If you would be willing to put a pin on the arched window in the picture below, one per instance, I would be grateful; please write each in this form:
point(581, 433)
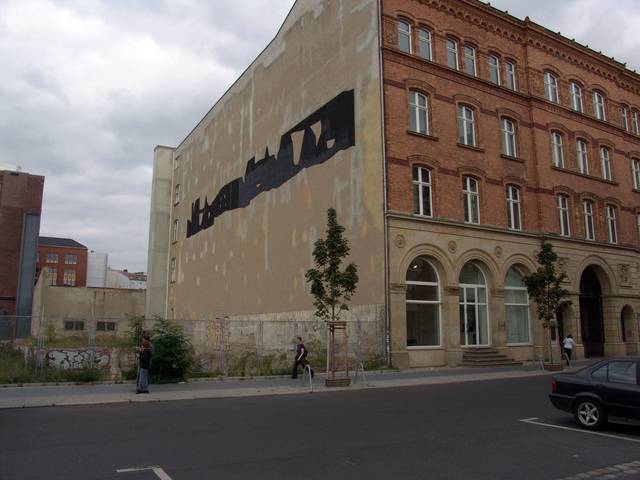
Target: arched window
point(575, 92)
point(612, 224)
point(583, 158)
point(510, 75)
point(452, 53)
point(605, 157)
point(424, 44)
point(418, 112)
point(466, 126)
point(470, 60)
point(513, 208)
point(589, 229)
point(624, 117)
point(474, 319)
point(635, 173)
point(423, 304)
point(635, 127)
point(471, 197)
point(599, 105)
point(551, 87)
point(557, 150)
point(494, 69)
point(563, 215)
point(508, 128)
point(404, 36)
point(516, 301)
point(422, 191)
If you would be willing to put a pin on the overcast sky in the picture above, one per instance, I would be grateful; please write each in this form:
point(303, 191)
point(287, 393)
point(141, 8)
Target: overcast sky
point(89, 87)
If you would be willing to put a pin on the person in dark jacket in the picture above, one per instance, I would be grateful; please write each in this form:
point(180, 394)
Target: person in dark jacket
point(300, 359)
point(144, 366)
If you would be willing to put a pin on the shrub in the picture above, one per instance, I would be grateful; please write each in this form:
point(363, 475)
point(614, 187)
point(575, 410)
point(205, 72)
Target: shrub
point(172, 353)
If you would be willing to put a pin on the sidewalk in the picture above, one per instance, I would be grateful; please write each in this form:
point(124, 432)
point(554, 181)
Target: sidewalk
point(64, 395)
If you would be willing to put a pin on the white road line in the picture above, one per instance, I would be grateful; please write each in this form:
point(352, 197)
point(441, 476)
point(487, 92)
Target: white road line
point(160, 473)
point(580, 430)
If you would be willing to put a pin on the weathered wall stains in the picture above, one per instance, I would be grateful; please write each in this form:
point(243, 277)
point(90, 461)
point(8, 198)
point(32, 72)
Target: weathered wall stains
point(328, 130)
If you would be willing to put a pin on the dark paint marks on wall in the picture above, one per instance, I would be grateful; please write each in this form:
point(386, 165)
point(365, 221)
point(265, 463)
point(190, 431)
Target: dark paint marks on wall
point(328, 130)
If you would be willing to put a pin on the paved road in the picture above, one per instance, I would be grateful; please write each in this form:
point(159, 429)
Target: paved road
point(453, 431)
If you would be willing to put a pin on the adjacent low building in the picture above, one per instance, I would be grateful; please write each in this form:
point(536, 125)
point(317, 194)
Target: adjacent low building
point(452, 139)
point(65, 259)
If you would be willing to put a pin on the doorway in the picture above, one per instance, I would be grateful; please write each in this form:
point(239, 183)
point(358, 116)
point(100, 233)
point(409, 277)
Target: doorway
point(591, 317)
point(474, 322)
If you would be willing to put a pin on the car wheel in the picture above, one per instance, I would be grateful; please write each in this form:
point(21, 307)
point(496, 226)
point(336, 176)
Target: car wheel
point(589, 414)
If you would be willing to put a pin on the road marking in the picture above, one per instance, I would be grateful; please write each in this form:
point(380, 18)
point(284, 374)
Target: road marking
point(160, 473)
point(580, 430)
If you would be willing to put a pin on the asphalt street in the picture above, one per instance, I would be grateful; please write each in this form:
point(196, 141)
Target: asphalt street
point(470, 430)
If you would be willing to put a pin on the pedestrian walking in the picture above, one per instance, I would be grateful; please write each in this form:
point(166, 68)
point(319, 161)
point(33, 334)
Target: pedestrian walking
point(567, 345)
point(300, 358)
point(144, 357)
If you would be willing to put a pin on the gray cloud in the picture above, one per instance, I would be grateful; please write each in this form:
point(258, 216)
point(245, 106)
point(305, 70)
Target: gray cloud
point(89, 87)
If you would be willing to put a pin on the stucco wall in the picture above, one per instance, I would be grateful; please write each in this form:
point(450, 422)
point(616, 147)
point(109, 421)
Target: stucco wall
point(252, 260)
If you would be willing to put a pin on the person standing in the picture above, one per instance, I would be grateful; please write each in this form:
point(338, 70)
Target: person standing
point(300, 358)
point(567, 345)
point(145, 365)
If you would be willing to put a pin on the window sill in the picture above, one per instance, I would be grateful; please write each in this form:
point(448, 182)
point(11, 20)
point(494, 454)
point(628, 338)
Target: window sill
point(590, 177)
point(520, 344)
point(423, 135)
point(471, 147)
point(421, 215)
point(424, 347)
point(513, 159)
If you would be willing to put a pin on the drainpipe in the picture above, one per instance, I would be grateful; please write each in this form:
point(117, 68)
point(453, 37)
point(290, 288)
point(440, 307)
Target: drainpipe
point(387, 323)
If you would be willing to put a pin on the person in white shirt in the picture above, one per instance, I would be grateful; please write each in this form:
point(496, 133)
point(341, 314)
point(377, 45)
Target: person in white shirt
point(567, 344)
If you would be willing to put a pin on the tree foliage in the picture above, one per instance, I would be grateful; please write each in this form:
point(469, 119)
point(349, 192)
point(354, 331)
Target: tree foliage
point(332, 287)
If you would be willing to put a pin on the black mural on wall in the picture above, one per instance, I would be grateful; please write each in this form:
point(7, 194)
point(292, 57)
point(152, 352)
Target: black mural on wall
point(337, 132)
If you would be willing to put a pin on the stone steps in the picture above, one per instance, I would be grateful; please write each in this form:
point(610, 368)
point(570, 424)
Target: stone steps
point(486, 357)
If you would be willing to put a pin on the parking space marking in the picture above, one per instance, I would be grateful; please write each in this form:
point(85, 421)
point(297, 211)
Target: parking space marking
point(160, 473)
point(534, 421)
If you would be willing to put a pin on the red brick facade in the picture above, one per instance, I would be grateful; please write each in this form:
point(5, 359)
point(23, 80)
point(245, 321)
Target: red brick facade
point(20, 194)
point(534, 52)
point(67, 259)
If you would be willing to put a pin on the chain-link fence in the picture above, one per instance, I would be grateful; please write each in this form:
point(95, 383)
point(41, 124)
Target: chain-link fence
point(226, 346)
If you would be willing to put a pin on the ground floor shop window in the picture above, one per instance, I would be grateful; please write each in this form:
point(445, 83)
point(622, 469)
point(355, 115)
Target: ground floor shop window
point(474, 318)
point(423, 304)
point(516, 301)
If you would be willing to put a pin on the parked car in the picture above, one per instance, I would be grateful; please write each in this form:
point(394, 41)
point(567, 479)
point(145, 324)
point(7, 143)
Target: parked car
point(608, 390)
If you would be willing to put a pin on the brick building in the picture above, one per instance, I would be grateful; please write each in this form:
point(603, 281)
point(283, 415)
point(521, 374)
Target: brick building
point(20, 207)
point(66, 260)
point(488, 135)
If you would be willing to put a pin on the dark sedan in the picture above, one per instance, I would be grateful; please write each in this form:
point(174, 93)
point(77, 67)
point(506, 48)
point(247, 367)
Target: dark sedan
point(608, 390)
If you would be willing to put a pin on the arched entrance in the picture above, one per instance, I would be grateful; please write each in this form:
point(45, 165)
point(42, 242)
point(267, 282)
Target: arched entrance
point(474, 319)
point(591, 318)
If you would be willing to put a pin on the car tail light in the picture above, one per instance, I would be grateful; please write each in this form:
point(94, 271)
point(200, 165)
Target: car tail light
point(554, 386)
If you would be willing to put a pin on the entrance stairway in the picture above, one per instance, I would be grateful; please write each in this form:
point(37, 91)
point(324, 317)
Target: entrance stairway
point(485, 357)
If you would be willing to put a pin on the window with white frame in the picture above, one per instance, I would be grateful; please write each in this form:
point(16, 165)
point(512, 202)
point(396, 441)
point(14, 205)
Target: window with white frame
point(513, 208)
point(471, 197)
point(423, 304)
point(635, 173)
point(510, 74)
point(638, 224)
point(69, 278)
point(470, 60)
point(404, 36)
point(634, 123)
point(589, 229)
point(422, 191)
point(611, 223)
point(557, 149)
point(176, 197)
point(418, 112)
point(624, 118)
point(52, 258)
point(494, 69)
point(563, 215)
point(466, 126)
point(583, 158)
point(605, 157)
point(599, 105)
point(452, 53)
point(52, 276)
point(176, 231)
point(551, 87)
point(173, 270)
point(70, 259)
point(424, 44)
point(508, 128)
point(516, 301)
point(575, 92)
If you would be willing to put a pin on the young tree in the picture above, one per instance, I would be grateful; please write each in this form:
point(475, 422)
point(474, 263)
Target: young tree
point(331, 286)
point(545, 287)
